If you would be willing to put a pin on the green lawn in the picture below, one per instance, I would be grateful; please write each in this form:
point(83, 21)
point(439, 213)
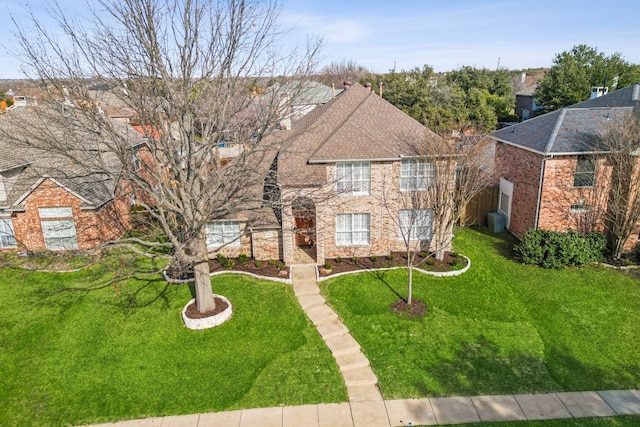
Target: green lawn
point(502, 327)
point(120, 351)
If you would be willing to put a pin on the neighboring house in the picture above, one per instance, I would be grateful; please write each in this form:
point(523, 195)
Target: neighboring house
point(341, 172)
point(300, 98)
point(526, 106)
point(524, 88)
point(48, 202)
point(552, 169)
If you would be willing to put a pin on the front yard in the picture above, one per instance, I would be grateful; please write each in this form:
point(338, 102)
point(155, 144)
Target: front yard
point(80, 348)
point(502, 327)
point(90, 346)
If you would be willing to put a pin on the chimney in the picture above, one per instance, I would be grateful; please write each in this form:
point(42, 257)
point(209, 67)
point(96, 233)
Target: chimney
point(598, 91)
point(346, 84)
point(367, 85)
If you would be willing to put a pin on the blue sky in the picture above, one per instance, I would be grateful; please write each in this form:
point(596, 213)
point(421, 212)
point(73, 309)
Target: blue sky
point(450, 33)
point(445, 34)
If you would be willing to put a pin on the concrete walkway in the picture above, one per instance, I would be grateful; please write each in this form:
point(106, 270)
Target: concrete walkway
point(366, 408)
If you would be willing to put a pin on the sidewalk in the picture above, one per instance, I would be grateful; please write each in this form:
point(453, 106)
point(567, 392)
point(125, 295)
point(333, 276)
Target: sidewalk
point(366, 408)
point(414, 412)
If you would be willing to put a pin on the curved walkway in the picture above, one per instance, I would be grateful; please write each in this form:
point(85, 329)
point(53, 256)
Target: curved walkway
point(366, 408)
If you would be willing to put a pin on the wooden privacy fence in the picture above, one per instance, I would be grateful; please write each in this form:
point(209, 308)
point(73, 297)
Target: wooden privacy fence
point(475, 213)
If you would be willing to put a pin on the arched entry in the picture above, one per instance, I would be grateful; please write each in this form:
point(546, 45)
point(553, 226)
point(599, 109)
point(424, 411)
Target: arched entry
point(304, 230)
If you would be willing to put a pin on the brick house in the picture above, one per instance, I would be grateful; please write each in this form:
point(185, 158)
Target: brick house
point(47, 202)
point(340, 173)
point(552, 172)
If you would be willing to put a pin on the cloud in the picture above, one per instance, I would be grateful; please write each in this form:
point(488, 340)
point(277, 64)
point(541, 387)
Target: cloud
point(342, 30)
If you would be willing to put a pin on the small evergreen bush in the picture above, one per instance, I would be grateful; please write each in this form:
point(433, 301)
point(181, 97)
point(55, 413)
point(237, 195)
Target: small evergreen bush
point(554, 249)
point(338, 260)
point(243, 258)
point(327, 264)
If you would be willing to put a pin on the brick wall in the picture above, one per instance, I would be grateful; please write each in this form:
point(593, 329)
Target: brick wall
point(382, 204)
point(522, 169)
point(92, 227)
point(266, 244)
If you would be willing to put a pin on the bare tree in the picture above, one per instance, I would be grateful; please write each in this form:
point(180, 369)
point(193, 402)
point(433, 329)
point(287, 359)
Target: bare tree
point(410, 211)
point(460, 172)
point(187, 71)
point(437, 182)
point(621, 144)
point(338, 71)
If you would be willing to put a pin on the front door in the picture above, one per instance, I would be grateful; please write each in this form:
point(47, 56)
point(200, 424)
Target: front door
point(304, 225)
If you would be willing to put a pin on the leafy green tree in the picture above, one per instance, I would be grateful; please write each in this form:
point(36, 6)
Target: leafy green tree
point(425, 96)
point(489, 95)
point(574, 72)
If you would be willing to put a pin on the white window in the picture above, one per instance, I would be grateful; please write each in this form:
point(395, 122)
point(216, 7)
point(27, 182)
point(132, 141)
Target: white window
point(135, 162)
point(352, 229)
point(416, 224)
point(7, 238)
point(506, 194)
point(223, 233)
point(58, 228)
point(353, 178)
point(582, 208)
point(416, 174)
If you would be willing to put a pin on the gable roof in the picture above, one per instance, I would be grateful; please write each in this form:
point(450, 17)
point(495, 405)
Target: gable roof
point(571, 130)
point(357, 125)
point(23, 167)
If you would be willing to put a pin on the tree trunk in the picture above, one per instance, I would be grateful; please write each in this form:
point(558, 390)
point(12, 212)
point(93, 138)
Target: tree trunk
point(202, 281)
point(410, 291)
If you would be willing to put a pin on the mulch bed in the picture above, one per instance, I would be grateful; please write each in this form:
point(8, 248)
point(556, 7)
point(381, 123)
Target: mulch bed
point(192, 312)
point(397, 259)
point(249, 266)
point(416, 310)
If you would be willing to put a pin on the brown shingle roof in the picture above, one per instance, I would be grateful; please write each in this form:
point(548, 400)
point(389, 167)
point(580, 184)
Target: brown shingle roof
point(356, 125)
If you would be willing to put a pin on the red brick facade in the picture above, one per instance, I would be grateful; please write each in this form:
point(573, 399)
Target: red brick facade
point(522, 169)
point(557, 194)
point(93, 227)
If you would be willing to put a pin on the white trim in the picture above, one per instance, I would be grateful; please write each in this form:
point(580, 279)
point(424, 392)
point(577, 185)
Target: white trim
point(506, 187)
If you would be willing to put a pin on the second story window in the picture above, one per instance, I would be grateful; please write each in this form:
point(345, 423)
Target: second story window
point(353, 178)
point(585, 172)
point(416, 174)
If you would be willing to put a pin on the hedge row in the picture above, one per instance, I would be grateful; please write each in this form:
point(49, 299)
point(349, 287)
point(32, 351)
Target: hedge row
point(554, 249)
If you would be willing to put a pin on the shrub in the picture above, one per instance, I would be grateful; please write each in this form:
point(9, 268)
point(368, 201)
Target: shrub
point(374, 259)
point(220, 258)
point(258, 263)
point(272, 262)
point(391, 256)
point(280, 265)
point(354, 259)
point(553, 249)
point(327, 264)
point(338, 260)
point(243, 258)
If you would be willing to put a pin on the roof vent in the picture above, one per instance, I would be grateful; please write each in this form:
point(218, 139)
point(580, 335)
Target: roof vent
point(346, 84)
